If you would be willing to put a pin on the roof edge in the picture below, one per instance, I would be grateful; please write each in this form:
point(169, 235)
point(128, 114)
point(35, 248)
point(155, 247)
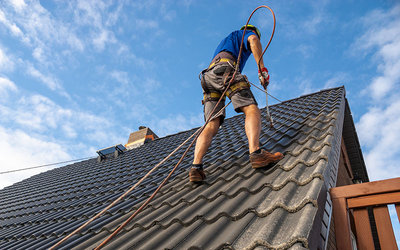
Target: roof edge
point(353, 147)
point(314, 93)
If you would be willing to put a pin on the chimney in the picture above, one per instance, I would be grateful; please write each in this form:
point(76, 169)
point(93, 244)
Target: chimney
point(140, 137)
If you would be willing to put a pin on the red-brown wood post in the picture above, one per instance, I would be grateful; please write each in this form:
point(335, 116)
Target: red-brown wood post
point(363, 229)
point(342, 223)
point(384, 228)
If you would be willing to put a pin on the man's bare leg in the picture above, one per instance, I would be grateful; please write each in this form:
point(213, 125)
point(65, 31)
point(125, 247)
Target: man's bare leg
point(203, 142)
point(252, 126)
point(261, 158)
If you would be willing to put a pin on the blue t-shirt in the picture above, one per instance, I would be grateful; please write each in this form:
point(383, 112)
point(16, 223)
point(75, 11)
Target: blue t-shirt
point(231, 43)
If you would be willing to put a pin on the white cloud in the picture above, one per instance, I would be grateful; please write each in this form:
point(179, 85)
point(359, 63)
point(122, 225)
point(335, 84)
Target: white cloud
point(39, 114)
point(89, 12)
point(311, 25)
point(379, 127)
point(305, 86)
point(69, 131)
point(380, 87)
point(50, 81)
point(306, 50)
point(150, 85)
point(380, 132)
point(18, 5)
point(120, 76)
point(114, 16)
point(34, 130)
point(176, 123)
point(19, 149)
point(96, 15)
point(6, 64)
point(337, 80)
point(15, 30)
point(318, 17)
point(36, 27)
point(187, 3)
point(38, 54)
point(383, 40)
point(5, 86)
point(167, 14)
point(146, 24)
point(103, 37)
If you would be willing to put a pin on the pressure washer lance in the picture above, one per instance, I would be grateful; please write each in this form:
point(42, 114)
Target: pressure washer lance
point(269, 117)
point(271, 121)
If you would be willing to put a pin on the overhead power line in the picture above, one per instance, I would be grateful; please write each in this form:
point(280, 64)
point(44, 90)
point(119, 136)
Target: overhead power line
point(46, 165)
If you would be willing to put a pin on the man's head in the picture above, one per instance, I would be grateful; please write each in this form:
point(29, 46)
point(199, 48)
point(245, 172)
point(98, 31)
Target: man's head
point(253, 28)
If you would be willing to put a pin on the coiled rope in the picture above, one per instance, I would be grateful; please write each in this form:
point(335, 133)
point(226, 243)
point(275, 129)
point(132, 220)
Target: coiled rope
point(195, 135)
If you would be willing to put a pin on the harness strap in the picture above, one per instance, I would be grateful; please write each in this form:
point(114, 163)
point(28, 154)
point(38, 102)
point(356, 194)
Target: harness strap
point(223, 56)
point(234, 88)
point(221, 60)
point(212, 96)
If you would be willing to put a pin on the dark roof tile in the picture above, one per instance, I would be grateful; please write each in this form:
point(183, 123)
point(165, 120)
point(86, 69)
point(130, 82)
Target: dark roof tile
point(237, 207)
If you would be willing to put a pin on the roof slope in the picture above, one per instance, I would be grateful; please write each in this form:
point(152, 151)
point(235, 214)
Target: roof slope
point(238, 207)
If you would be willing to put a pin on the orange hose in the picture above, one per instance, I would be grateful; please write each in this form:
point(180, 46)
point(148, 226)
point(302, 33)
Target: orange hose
point(196, 134)
point(187, 150)
point(270, 39)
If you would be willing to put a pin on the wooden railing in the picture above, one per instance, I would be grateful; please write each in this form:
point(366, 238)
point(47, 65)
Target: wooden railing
point(354, 200)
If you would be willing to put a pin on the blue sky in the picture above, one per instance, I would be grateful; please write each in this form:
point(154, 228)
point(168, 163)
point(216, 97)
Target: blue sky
point(77, 76)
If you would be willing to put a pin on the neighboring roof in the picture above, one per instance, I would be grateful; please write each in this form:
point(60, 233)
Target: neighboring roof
point(238, 207)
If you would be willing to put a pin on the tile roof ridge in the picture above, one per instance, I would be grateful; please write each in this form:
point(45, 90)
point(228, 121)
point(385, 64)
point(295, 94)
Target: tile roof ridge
point(311, 94)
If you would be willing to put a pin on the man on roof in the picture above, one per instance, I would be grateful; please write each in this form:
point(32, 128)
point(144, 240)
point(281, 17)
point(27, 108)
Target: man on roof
point(214, 80)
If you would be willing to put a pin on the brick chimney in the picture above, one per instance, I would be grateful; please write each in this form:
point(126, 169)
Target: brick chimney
point(140, 137)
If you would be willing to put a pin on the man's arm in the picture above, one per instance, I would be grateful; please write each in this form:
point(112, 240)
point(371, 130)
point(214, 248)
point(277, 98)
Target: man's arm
point(256, 49)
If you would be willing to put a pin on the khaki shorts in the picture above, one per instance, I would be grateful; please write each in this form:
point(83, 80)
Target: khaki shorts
point(213, 81)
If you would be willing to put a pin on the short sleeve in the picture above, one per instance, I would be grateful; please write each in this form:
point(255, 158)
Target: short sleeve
point(246, 37)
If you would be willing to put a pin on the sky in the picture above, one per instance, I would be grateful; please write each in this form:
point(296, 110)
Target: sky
point(77, 76)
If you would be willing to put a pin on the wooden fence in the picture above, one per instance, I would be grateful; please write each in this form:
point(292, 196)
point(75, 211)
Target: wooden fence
point(350, 205)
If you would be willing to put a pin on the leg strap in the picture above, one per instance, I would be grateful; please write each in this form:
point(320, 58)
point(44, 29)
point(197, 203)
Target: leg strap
point(236, 87)
point(212, 96)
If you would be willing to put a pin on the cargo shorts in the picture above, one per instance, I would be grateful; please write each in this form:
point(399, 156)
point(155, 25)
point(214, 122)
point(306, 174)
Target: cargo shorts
point(213, 81)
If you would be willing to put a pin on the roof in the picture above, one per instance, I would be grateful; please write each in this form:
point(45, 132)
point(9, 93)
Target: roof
point(238, 207)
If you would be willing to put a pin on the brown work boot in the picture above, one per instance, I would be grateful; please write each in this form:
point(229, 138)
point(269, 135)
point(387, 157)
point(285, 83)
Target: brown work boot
point(262, 159)
point(196, 175)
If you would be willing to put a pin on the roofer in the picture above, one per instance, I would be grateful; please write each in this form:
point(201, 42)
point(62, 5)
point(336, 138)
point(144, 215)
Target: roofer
point(214, 81)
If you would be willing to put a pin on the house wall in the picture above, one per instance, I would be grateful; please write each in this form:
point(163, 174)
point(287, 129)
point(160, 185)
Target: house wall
point(344, 177)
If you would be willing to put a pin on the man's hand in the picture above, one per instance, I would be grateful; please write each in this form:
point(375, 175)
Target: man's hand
point(264, 77)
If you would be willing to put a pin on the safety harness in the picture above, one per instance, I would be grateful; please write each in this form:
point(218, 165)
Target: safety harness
point(210, 95)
